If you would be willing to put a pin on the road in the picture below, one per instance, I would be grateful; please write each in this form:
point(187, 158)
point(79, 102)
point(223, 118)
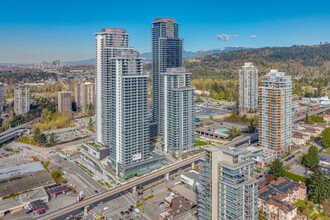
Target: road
point(300, 118)
point(125, 186)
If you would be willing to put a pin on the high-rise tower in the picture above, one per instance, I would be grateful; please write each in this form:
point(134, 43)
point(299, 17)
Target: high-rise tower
point(228, 189)
point(178, 102)
point(275, 111)
point(107, 43)
point(166, 53)
point(248, 88)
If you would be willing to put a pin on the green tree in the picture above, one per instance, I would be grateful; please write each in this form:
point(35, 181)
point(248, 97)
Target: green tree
point(276, 168)
point(307, 119)
point(51, 140)
point(319, 187)
point(312, 158)
point(318, 119)
point(288, 166)
point(326, 137)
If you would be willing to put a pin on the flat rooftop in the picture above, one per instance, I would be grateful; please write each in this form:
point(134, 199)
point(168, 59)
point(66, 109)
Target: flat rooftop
point(24, 177)
point(20, 170)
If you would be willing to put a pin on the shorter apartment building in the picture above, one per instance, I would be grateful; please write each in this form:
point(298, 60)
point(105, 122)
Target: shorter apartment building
point(21, 100)
point(84, 94)
point(277, 199)
point(64, 102)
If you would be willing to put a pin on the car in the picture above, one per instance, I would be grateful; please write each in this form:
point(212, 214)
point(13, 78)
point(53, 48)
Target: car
point(29, 211)
point(127, 212)
point(130, 210)
point(105, 208)
point(132, 207)
point(162, 204)
point(100, 204)
point(96, 191)
point(122, 213)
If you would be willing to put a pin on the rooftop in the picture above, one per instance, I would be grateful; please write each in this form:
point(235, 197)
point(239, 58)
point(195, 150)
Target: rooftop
point(20, 170)
point(192, 175)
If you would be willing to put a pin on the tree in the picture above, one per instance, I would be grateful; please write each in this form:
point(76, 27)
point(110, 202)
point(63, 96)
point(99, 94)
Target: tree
point(90, 124)
point(307, 119)
point(276, 168)
point(319, 187)
point(51, 140)
point(326, 137)
point(42, 138)
point(312, 158)
point(318, 119)
point(288, 166)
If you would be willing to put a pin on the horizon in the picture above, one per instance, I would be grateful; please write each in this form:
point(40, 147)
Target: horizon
point(65, 30)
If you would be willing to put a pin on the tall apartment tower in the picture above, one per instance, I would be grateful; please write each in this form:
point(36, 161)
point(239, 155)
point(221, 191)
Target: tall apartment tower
point(1, 97)
point(228, 189)
point(166, 53)
point(84, 94)
point(275, 111)
point(247, 88)
point(21, 100)
point(179, 111)
point(107, 43)
point(64, 102)
point(129, 128)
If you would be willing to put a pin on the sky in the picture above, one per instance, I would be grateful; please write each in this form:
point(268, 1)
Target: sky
point(33, 31)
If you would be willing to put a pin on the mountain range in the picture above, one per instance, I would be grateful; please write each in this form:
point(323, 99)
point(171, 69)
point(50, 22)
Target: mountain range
point(148, 55)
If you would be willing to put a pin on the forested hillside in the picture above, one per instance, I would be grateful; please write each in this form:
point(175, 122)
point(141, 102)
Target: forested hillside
point(304, 61)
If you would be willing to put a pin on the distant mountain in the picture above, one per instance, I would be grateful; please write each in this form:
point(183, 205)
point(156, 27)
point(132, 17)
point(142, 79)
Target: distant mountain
point(89, 61)
point(186, 54)
point(148, 55)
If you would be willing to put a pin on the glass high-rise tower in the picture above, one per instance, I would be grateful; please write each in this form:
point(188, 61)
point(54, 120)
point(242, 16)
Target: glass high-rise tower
point(107, 43)
point(228, 188)
point(247, 88)
point(166, 53)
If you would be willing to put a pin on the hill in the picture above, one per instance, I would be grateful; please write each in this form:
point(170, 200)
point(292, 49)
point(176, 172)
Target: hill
point(186, 54)
point(306, 61)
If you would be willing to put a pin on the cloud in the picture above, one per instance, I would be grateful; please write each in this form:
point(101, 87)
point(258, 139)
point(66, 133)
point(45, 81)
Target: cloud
point(253, 36)
point(226, 37)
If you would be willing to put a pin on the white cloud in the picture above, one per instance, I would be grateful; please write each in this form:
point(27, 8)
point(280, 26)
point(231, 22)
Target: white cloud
point(253, 36)
point(226, 37)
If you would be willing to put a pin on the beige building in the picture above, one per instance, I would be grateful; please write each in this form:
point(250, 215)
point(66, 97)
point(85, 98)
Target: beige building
point(84, 94)
point(21, 100)
point(278, 198)
point(64, 102)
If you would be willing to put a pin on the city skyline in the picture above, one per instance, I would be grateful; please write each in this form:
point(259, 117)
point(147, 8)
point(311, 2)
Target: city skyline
point(38, 32)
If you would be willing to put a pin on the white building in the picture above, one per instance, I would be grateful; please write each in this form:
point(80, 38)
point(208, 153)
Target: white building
point(247, 88)
point(107, 43)
point(275, 111)
point(21, 100)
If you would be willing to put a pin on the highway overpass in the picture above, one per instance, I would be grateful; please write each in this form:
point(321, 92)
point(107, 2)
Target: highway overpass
point(61, 214)
point(301, 118)
point(12, 133)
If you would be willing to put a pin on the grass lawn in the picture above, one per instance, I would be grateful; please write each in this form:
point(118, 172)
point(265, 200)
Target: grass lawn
point(200, 143)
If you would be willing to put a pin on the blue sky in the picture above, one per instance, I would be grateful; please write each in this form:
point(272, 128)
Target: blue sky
point(33, 31)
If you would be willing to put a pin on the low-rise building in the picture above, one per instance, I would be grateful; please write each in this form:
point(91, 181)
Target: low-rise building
point(178, 206)
point(326, 118)
point(191, 178)
point(277, 199)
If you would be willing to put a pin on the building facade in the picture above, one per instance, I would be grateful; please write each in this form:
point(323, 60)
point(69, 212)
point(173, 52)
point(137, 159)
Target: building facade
point(275, 111)
point(64, 102)
point(166, 53)
point(228, 189)
point(247, 88)
point(21, 100)
point(178, 105)
point(1, 97)
point(107, 43)
point(84, 95)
